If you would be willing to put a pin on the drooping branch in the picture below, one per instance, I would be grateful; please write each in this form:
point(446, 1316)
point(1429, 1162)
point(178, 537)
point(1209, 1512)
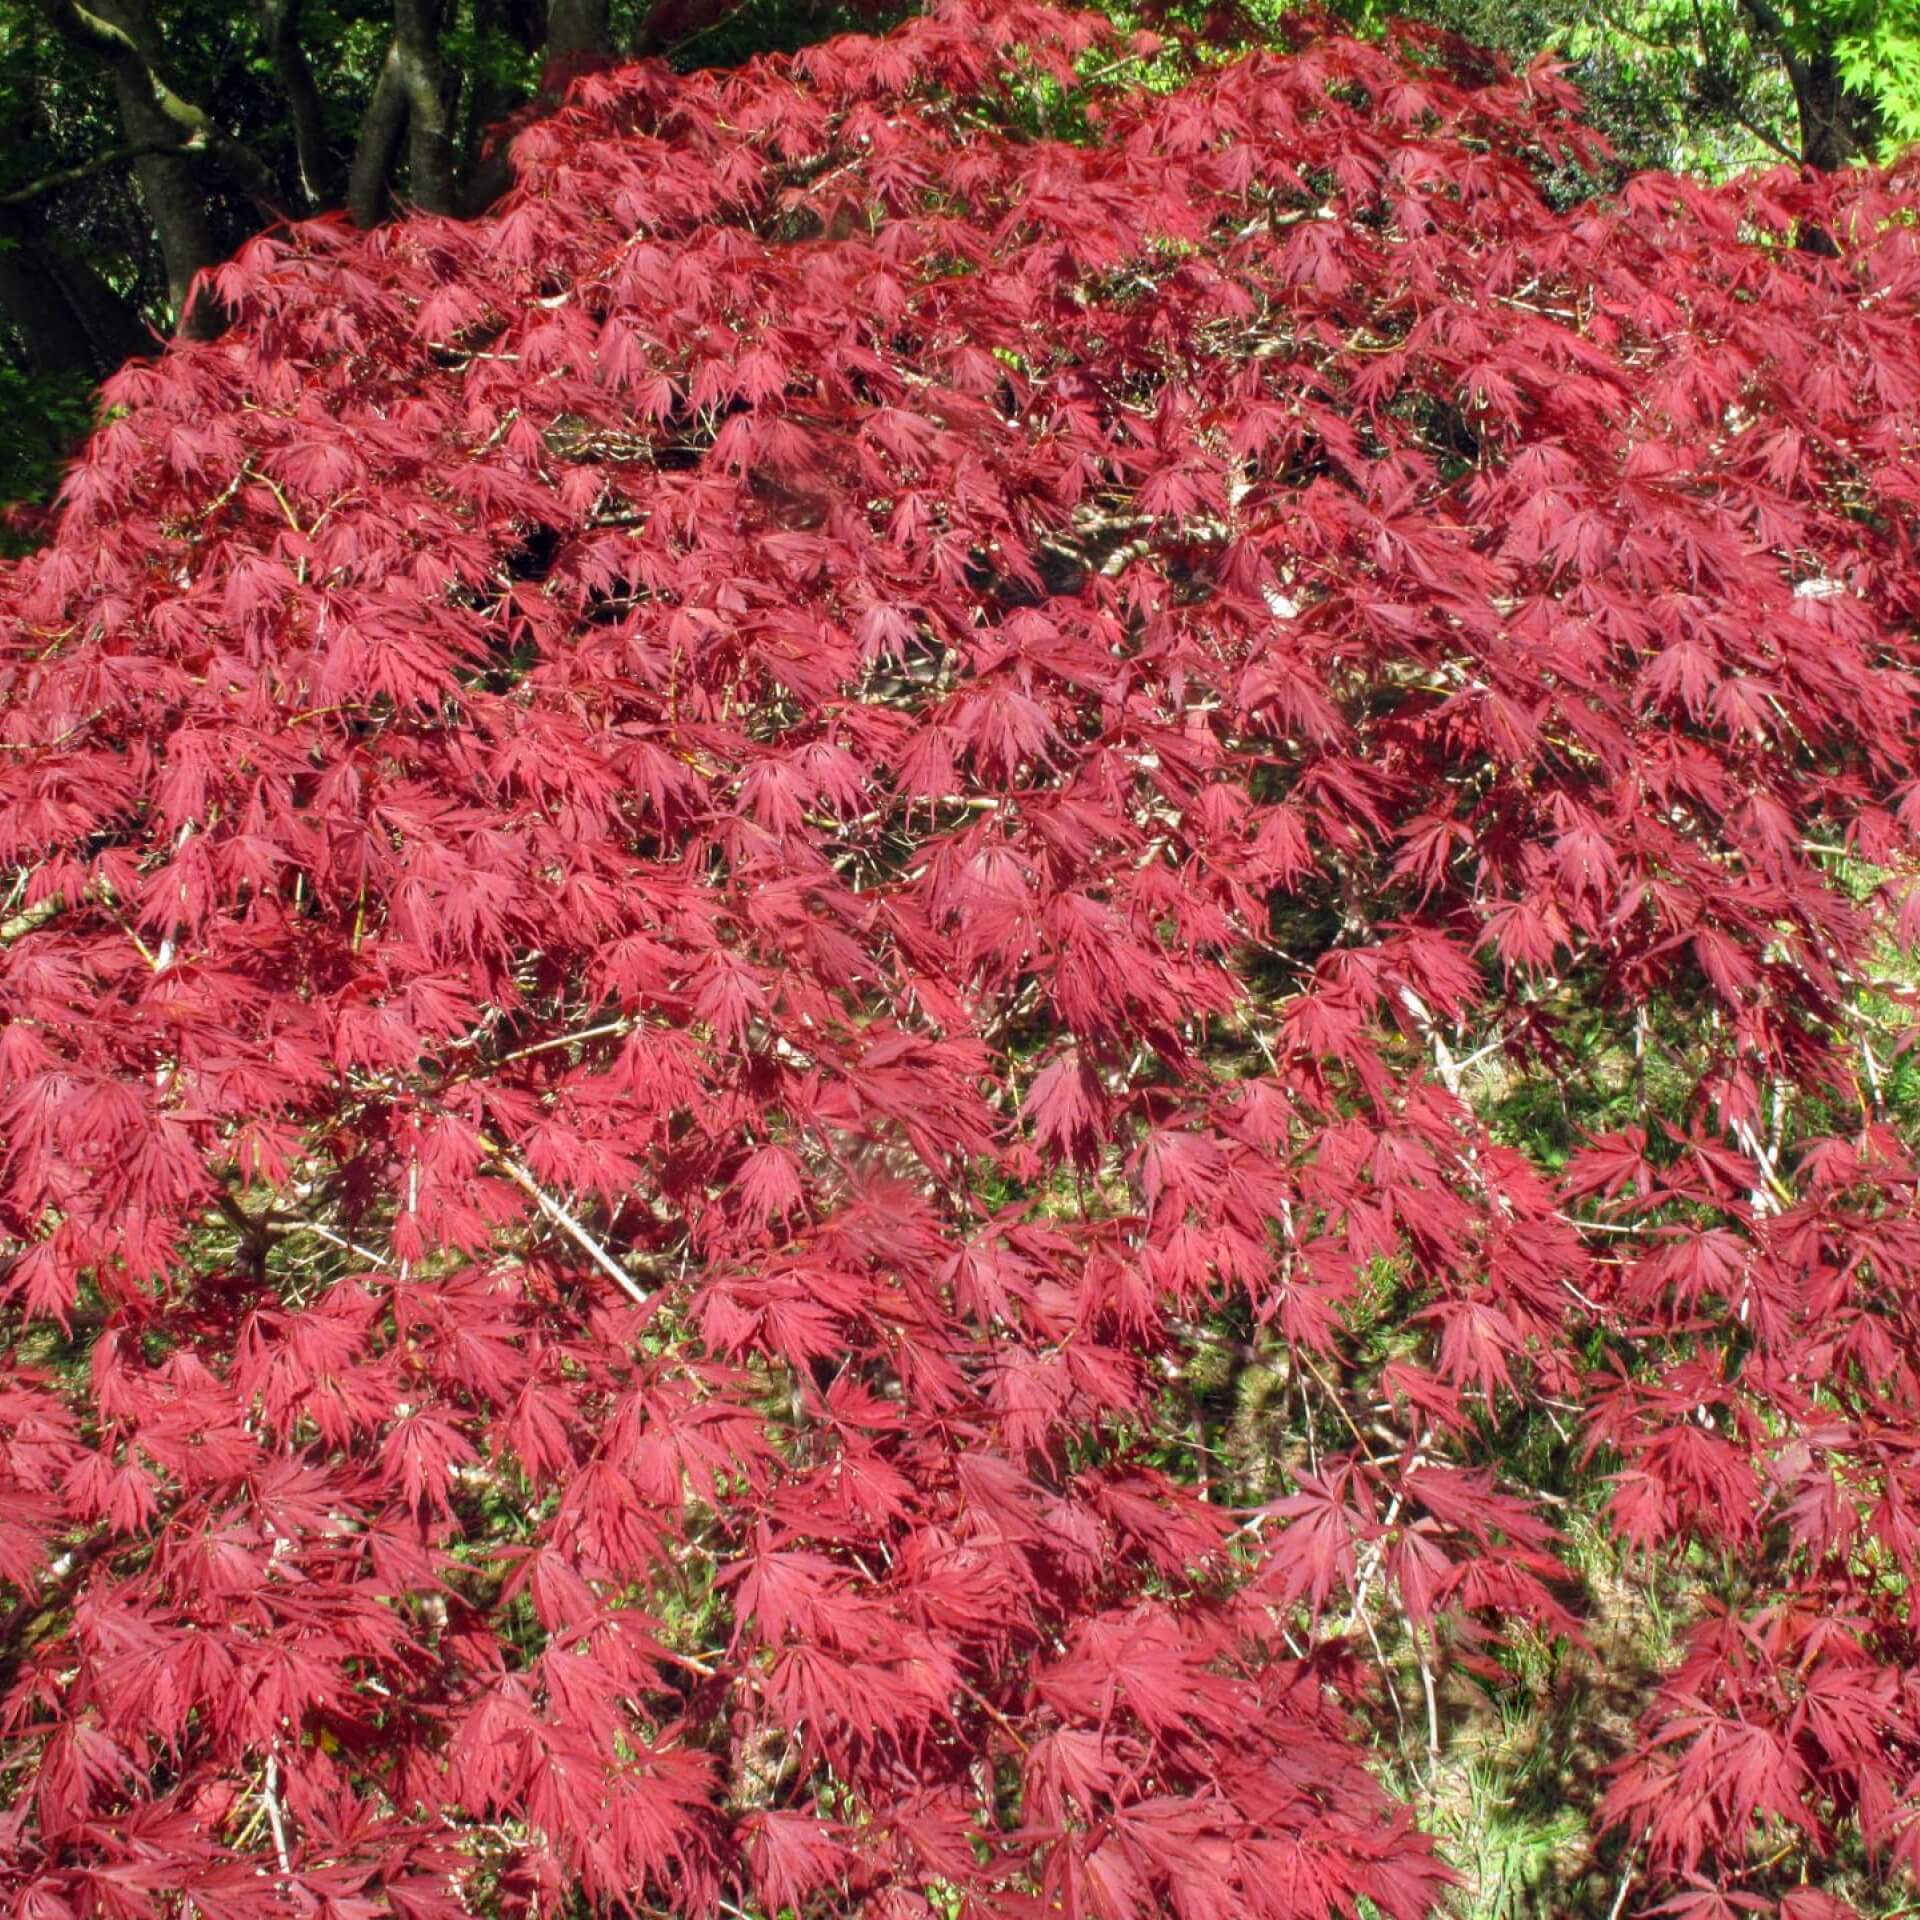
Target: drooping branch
point(86, 169)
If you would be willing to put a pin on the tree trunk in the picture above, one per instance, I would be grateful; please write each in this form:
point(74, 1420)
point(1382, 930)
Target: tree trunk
point(412, 98)
point(430, 157)
point(577, 26)
point(379, 144)
point(174, 201)
point(1836, 126)
point(280, 35)
point(165, 129)
point(178, 210)
point(69, 321)
point(487, 100)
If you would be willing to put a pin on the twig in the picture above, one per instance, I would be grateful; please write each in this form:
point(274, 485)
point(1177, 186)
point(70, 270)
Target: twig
point(1773, 1192)
point(993, 1713)
point(1377, 1553)
point(270, 1799)
point(572, 1228)
point(1433, 1707)
point(1626, 1881)
point(567, 1040)
point(339, 1240)
point(1338, 1405)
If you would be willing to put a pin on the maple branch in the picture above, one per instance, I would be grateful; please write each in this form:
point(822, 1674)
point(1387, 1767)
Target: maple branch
point(25, 922)
point(601, 1032)
point(1378, 1549)
point(1620, 1892)
point(99, 163)
point(1773, 1193)
point(1444, 1063)
point(270, 1799)
point(64, 1574)
point(255, 1235)
point(1870, 1062)
point(565, 1221)
point(1433, 1705)
point(993, 1713)
point(339, 1240)
point(257, 1231)
point(1765, 136)
point(1339, 1405)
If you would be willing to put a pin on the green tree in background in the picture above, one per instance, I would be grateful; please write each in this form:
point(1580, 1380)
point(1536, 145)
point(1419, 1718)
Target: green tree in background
point(1714, 85)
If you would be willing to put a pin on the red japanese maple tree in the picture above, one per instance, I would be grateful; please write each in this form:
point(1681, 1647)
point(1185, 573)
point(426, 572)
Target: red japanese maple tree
point(705, 876)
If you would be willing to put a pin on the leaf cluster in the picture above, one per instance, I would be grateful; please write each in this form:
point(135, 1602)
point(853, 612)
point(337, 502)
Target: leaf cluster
point(787, 947)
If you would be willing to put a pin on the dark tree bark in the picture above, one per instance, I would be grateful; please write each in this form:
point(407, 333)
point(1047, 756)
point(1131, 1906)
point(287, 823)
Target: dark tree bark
point(422, 135)
point(577, 26)
point(378, 147)
point(178, 209)
point(69, 321)
point(431, 172)
point(485, 102)
point(114, 330)
point(71, 176)
point(166, 130)
point(668, 22)
point(37, 306)
point(1836, 126)
point(280, 36)
point(412, 98)
point(121, 34)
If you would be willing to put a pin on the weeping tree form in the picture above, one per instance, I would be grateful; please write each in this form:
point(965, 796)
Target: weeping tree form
point(709, 877)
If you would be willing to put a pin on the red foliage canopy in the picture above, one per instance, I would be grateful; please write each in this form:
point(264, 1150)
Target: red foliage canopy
point(702, 871)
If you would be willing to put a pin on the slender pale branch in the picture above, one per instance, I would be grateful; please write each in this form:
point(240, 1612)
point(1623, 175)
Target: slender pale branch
point(572, 1228)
